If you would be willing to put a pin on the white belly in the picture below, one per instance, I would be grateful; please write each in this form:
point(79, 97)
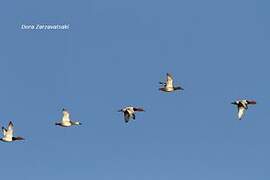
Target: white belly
point(66, 124)
point(7, 139)
point(169, 89)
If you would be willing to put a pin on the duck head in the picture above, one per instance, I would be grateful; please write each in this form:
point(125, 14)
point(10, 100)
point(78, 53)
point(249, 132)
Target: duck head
point(17, 138)
point(57, 124)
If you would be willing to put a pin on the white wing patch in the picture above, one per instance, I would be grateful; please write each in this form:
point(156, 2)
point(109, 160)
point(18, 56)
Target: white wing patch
point(169, 83)
point(241, 112)
point(130, 111)
point(65, 116)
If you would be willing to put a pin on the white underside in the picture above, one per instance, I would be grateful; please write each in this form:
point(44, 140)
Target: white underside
point(241, 112)
point(7, 139)
point(168, 89)
point(66, 123)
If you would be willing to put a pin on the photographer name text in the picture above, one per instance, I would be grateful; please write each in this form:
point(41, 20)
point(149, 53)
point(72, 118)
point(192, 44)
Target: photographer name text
point(45, 26)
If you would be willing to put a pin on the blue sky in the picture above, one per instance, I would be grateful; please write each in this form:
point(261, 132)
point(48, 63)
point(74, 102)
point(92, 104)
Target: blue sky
point(113, 55)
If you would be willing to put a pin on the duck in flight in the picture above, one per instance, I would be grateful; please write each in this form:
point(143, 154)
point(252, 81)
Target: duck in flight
point(168, 85)
point(66, 122)
point(242, 106)
point(129, 112)
point(8, 134)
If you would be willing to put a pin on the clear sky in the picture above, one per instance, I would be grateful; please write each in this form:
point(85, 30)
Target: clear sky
point(113, 55)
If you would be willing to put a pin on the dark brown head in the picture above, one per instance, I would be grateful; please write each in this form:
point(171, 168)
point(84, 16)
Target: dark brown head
point(251, 102)
point(17, 138)
point(57, 124)
point(235, 103)
point(120, 110)
point(138, 109)
point(178, 88)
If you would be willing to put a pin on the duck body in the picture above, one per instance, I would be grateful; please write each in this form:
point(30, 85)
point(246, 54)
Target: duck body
point(5, 139)
point(68, 124)
point(170, 89)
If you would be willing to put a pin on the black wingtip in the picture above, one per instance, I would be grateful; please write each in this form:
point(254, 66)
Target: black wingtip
point(10, 123)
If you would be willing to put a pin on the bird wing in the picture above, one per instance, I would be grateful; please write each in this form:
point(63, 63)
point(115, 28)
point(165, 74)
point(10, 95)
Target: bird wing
point(169, 82)
point(65, 117)
point(9, 130)
point(241, 112)
point(126, 116)
point(4, 131)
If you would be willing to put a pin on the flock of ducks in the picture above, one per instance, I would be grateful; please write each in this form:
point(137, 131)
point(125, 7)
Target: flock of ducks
point(129, 112)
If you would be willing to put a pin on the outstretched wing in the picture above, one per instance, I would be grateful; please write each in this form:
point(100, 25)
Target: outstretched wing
point(9, 130)
point(169, 83)
point(65, 117)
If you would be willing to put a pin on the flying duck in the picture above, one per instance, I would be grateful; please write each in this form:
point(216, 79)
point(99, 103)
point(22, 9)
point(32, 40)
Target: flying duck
point(129, 112)
point(242, 106)
point(8, 134)
point(168, 86)
point(66, 122)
